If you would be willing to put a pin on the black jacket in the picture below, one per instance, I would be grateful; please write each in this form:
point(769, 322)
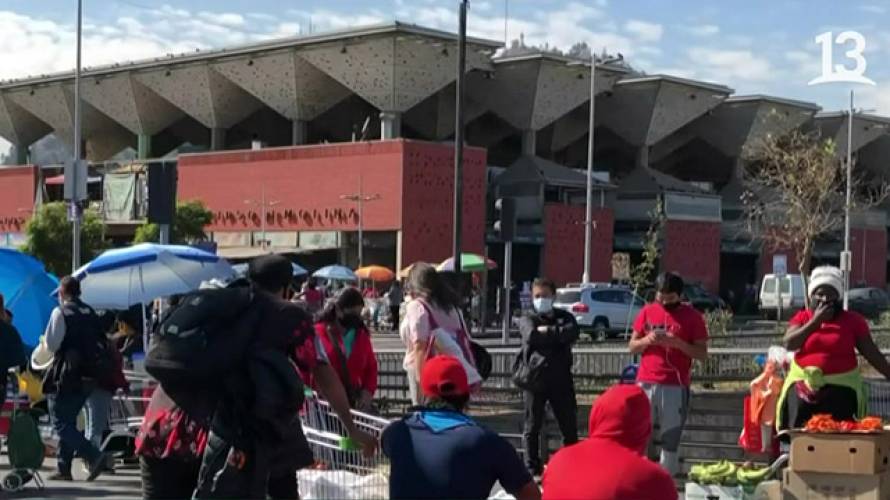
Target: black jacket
point(556, 344)
point(83, 354)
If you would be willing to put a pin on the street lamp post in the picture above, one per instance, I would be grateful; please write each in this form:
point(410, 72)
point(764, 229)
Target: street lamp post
point(459, 136)
point(76, 215)
point(846, 260)
point(588, 218)
point(263, 204)
point(360, 199)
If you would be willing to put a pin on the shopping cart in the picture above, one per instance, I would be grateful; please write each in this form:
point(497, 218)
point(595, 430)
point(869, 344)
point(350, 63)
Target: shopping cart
point(341, 470)
point(878, 391)
point(126, 414)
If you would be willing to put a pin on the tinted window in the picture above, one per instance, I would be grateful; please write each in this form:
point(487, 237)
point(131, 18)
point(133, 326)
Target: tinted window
point(601, 296)
point(769, 285)
point(568, 297)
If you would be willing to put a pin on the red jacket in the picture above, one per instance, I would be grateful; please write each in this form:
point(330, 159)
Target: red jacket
point(610, 464)
point(362, 362)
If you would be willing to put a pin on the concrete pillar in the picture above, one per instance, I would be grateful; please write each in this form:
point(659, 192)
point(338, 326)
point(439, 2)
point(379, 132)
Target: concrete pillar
point(217, 138)
point(390, 125)
point(21, 155)
point(299, 129)
point(529, 142)
point(143, 148)
point(643, 156)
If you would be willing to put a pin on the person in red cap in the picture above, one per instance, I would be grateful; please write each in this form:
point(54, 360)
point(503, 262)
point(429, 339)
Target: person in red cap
point(437, 451)
point(610, 464)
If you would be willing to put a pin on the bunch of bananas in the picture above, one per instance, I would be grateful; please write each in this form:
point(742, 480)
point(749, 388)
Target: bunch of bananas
point(749, 478)
point(723, 472)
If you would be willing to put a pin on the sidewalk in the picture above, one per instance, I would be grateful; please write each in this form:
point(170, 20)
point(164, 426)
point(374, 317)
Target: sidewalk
point(125, 483)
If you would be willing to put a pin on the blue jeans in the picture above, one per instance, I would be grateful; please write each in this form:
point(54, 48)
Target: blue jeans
point(97, 413)
point(63, 409)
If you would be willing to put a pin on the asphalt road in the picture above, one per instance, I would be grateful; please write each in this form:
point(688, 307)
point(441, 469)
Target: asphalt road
point(125, 483)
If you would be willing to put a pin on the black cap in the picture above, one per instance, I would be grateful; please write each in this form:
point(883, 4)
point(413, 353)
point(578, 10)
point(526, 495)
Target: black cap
point(271, 272)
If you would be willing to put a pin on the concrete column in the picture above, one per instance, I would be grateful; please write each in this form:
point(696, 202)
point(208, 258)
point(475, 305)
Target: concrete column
point(643, 156)
point(390, 125)
point(143, 148)
point(299, 129)
point(21, 155)
point(529, 142)
point(217, 138)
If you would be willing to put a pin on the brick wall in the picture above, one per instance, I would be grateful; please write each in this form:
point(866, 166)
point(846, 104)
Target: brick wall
point(17, 199)
point(869, 247)
point(564, 243)
point(692, 249)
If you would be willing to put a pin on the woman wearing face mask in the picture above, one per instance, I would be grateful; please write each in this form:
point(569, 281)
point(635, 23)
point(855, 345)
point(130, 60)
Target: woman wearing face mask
point(347, 343)
point(824, 377)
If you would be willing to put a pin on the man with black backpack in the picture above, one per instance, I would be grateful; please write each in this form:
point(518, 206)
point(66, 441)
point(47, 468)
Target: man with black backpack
point(81, 361)
point(547, 336)
point(256, 444)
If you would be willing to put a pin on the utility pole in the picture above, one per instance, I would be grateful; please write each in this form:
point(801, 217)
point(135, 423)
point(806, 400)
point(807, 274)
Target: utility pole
point(459, 137)
point(360, 199)
point(76, 213)
point(846, 260)
point(263, 205)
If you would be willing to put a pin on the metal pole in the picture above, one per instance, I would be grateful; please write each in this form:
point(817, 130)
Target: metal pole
point(506, 20)
point(508, 257)
point(165, 234)
point(75, 227)
point(263, 215)
point(848, 263)
point(588, 219)
point(361, 214)
point(459, 136)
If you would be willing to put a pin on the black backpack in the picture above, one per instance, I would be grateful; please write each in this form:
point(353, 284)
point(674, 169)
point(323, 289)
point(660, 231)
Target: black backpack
point(203, 338)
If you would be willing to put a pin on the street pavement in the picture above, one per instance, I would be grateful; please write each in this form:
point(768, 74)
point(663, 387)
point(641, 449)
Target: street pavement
point(125, 483)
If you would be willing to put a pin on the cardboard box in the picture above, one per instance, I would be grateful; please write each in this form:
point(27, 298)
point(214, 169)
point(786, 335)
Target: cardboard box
point(840, 453)
point(822, 486)
point(696, 491)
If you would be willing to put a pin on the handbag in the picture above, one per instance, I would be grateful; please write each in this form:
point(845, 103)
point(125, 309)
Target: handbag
point(528, 370)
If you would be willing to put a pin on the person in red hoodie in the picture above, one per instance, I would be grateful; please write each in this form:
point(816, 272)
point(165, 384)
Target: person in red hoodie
point(347, 342)
point(610, 464)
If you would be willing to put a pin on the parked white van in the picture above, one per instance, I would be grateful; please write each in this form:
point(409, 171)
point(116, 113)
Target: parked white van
point(792, 289)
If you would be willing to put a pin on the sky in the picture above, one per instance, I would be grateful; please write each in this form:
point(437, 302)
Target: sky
point(752, 46)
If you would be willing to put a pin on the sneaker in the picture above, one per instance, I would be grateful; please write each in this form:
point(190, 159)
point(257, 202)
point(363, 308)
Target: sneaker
point(61, 476)
point(98, 466)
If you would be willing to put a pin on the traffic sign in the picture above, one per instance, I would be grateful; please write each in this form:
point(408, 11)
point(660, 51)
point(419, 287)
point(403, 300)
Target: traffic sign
point(780, 265)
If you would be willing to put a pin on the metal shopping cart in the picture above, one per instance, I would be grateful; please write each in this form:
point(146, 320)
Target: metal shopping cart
point(878, 391)
point(341, 470)
point(127, 413)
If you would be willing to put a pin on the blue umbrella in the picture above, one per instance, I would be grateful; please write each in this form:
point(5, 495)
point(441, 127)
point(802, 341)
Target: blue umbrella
point(28, 293)
point(241, 269)
point(124, 277)
point(339, 273)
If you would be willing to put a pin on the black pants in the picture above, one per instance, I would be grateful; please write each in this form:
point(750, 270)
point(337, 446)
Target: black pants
point(261, 474)
point(394, 317)
point(560, 393)
point(838, 401)
point(166, 479)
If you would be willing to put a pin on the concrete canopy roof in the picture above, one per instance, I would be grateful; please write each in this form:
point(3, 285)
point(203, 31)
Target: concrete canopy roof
point(18, 125)
point(393, 66)
point(739, 121)
point(645, 110)
point(647, 180)
point(532, 91)
point(866, 128)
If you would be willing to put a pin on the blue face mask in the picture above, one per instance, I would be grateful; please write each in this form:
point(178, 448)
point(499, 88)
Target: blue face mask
point(543, 305)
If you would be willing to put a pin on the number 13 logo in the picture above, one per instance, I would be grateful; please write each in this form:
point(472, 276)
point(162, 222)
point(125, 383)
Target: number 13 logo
point(839, 73)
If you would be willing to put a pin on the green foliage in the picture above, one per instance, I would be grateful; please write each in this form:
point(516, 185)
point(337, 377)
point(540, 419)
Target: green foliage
point(188, 225)
point(48, 236)
point(642, 275)
point(718, 322)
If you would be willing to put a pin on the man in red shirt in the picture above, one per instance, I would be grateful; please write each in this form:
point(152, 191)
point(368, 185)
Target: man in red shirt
point(609, 464)
point(669, 334)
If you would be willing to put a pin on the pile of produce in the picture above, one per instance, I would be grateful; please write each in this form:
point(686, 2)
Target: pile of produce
point(824, 423)
point(727, 473)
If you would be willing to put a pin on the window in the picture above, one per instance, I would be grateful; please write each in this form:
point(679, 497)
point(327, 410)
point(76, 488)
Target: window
point(568, 297)
point(601, 297)
point(769, 285)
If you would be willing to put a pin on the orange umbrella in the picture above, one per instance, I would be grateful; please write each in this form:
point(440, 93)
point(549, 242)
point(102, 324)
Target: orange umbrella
point(375, 273)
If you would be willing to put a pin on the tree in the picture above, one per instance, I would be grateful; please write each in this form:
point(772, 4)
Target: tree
point(48, 236)
point(642, 275)
point(794, 192)
point(188, 225)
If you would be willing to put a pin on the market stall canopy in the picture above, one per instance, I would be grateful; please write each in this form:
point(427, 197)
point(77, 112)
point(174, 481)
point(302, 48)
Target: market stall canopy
point(27, 291)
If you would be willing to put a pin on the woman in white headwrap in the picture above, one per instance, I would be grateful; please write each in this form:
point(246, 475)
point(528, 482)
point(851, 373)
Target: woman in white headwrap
point(824, 377)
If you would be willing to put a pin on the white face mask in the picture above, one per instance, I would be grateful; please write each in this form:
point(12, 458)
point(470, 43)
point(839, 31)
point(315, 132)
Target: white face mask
point(543, 304)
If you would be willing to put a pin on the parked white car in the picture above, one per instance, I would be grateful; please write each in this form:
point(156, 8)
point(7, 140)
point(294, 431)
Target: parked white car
point(601, 309)
point(791, 287)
